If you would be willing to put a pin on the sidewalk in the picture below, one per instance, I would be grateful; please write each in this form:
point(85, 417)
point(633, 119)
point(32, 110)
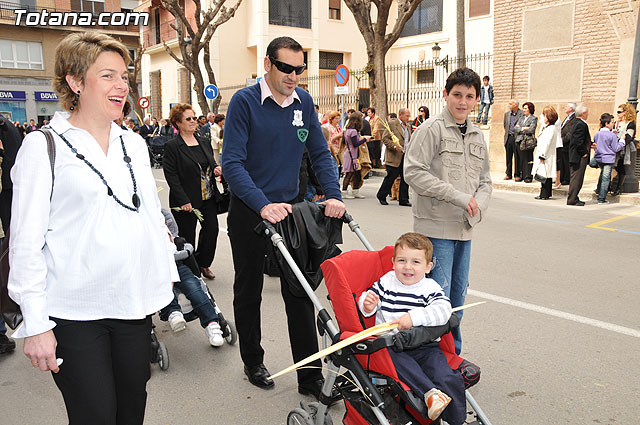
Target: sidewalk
point(586, 193)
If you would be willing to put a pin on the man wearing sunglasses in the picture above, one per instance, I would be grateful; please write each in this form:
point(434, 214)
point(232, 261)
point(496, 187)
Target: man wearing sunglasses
point(268, 127)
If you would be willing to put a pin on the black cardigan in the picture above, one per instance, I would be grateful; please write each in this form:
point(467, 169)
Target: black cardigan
point(183, 173)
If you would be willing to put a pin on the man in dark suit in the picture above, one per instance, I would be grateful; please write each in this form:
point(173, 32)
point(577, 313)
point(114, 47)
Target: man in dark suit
point(394, 157)
point(146, 130)
point(11, 142)
point(562, 154)
point(579, 148)
point(32, 126)
point(511, 117)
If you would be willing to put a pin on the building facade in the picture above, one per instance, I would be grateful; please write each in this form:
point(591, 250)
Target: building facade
point(329, 35)
point(553, 52)
point(28, 45)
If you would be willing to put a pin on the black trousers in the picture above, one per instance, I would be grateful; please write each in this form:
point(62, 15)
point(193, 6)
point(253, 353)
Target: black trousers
point(249, 250)
point(387, 183)
point(5, 208)
point(208, 236)
point(513, 157)
point(577, 178)
point(545, 190)
point(562, 163)
point(375, 150)
point(106, 368)
point(526, 160)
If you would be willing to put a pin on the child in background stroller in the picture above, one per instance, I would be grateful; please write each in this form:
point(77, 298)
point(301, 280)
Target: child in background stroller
point(406, 297)
point(156, 144)
point(216, 327)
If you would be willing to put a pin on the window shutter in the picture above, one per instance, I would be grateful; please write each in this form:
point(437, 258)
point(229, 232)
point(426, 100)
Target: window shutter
point(334, 4)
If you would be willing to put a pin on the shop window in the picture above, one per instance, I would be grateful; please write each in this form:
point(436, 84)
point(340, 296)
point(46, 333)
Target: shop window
point(330, 60)
point(21, 54)
point(426, 18)
point(334, 9)
point(479, 8)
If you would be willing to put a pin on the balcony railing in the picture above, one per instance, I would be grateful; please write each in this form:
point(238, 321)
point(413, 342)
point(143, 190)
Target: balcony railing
point(163, 32)
point(7, 12)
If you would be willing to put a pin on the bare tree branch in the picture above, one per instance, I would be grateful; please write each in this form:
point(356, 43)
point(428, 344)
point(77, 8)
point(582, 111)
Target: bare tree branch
point(199, 31)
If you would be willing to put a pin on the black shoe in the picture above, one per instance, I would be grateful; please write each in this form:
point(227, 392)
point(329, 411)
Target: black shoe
point(382, 201)
point(616, 192)
point(541, 197)
point(315, 388)
point(404, 204)
point(578, 204)
point(259, 376)
point(6, 344)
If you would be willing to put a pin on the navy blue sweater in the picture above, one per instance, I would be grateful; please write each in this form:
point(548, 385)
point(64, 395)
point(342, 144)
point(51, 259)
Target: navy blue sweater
point(263, 146)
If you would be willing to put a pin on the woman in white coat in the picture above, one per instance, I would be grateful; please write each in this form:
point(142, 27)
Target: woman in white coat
point(545, 160)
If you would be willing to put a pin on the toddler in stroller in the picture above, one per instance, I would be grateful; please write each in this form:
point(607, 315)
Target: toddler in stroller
point(406, 297)
point(191, 286)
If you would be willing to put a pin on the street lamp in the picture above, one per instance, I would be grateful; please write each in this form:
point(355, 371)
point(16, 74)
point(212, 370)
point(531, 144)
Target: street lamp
point(435, 51)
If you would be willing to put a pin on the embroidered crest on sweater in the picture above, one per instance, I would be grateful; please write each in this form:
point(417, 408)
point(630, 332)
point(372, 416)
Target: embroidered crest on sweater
point(297, 118)
point(302, 134)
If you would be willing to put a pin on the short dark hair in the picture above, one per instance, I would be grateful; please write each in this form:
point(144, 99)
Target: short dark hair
point(355, 121)
point(218, 118)
point(465, 77)
point(486, 77)
point(371, 109)
point(350, 111)
point(282, 43)
point(126, 108)
point(531, 106)
point(605, 119)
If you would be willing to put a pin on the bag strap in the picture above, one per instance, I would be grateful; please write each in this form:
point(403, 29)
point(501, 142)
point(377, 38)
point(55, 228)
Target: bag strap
point(51, 151)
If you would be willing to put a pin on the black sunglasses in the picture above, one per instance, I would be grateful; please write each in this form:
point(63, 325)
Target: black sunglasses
point(620, 112)
point(286, 68)
point(190, 118)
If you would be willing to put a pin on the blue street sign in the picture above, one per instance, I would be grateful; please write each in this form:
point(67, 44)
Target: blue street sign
point(8, 95)
point(211, 92)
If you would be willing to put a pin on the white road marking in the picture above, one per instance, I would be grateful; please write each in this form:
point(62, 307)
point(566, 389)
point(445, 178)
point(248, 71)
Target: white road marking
point(557, 313)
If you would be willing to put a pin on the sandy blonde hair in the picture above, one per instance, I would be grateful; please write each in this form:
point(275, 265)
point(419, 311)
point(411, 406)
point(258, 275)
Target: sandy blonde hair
point(75, 54)
point(418, 241)
point(629, 112)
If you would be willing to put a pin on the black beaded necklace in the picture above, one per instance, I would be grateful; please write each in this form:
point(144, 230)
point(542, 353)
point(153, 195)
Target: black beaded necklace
point(135, 199)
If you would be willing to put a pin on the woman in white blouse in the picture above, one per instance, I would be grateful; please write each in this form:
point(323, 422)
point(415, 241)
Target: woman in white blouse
point(90, 261)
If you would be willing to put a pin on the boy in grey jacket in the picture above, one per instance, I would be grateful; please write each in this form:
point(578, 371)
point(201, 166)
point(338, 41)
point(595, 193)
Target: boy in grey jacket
point(447, 166)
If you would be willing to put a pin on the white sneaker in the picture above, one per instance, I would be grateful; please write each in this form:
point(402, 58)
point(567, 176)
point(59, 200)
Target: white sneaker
point(346, 195)
point(356, 194)
point(214, 333)
point(436, 401)
point(177, 322)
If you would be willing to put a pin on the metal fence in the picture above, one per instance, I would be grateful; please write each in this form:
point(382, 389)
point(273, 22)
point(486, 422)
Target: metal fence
point(409, 85)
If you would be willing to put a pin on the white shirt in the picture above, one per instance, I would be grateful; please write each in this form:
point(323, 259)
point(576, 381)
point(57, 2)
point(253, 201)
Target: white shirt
point(82, 256)
point(486, 94)
point(265, 92)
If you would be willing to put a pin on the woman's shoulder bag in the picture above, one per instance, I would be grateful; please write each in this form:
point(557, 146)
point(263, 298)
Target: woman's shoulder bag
point(10, 310)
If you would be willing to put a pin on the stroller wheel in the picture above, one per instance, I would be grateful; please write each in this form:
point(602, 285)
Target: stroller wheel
point(232, 334)
point(299, 417)
point(312, 411)
point(163, 356)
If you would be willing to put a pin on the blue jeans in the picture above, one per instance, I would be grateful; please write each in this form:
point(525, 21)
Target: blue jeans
point(604, 181)
point(190, 286)
point(451, 271)
point(485, 107)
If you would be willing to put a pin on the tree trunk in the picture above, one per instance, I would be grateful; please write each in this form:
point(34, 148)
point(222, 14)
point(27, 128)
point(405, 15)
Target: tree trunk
point(212, 78)
point(460, 34)
point(198, 87)
point(378, 84)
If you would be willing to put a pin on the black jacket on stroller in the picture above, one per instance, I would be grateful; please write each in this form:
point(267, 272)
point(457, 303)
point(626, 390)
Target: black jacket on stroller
point(311, 238)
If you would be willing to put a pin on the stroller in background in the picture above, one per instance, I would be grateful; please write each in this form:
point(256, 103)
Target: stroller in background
point(373, 393)
point(159, 353)
point(156, 144)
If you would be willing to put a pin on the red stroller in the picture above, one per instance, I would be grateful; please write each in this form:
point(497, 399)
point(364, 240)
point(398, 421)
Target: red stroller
point(372, 391)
